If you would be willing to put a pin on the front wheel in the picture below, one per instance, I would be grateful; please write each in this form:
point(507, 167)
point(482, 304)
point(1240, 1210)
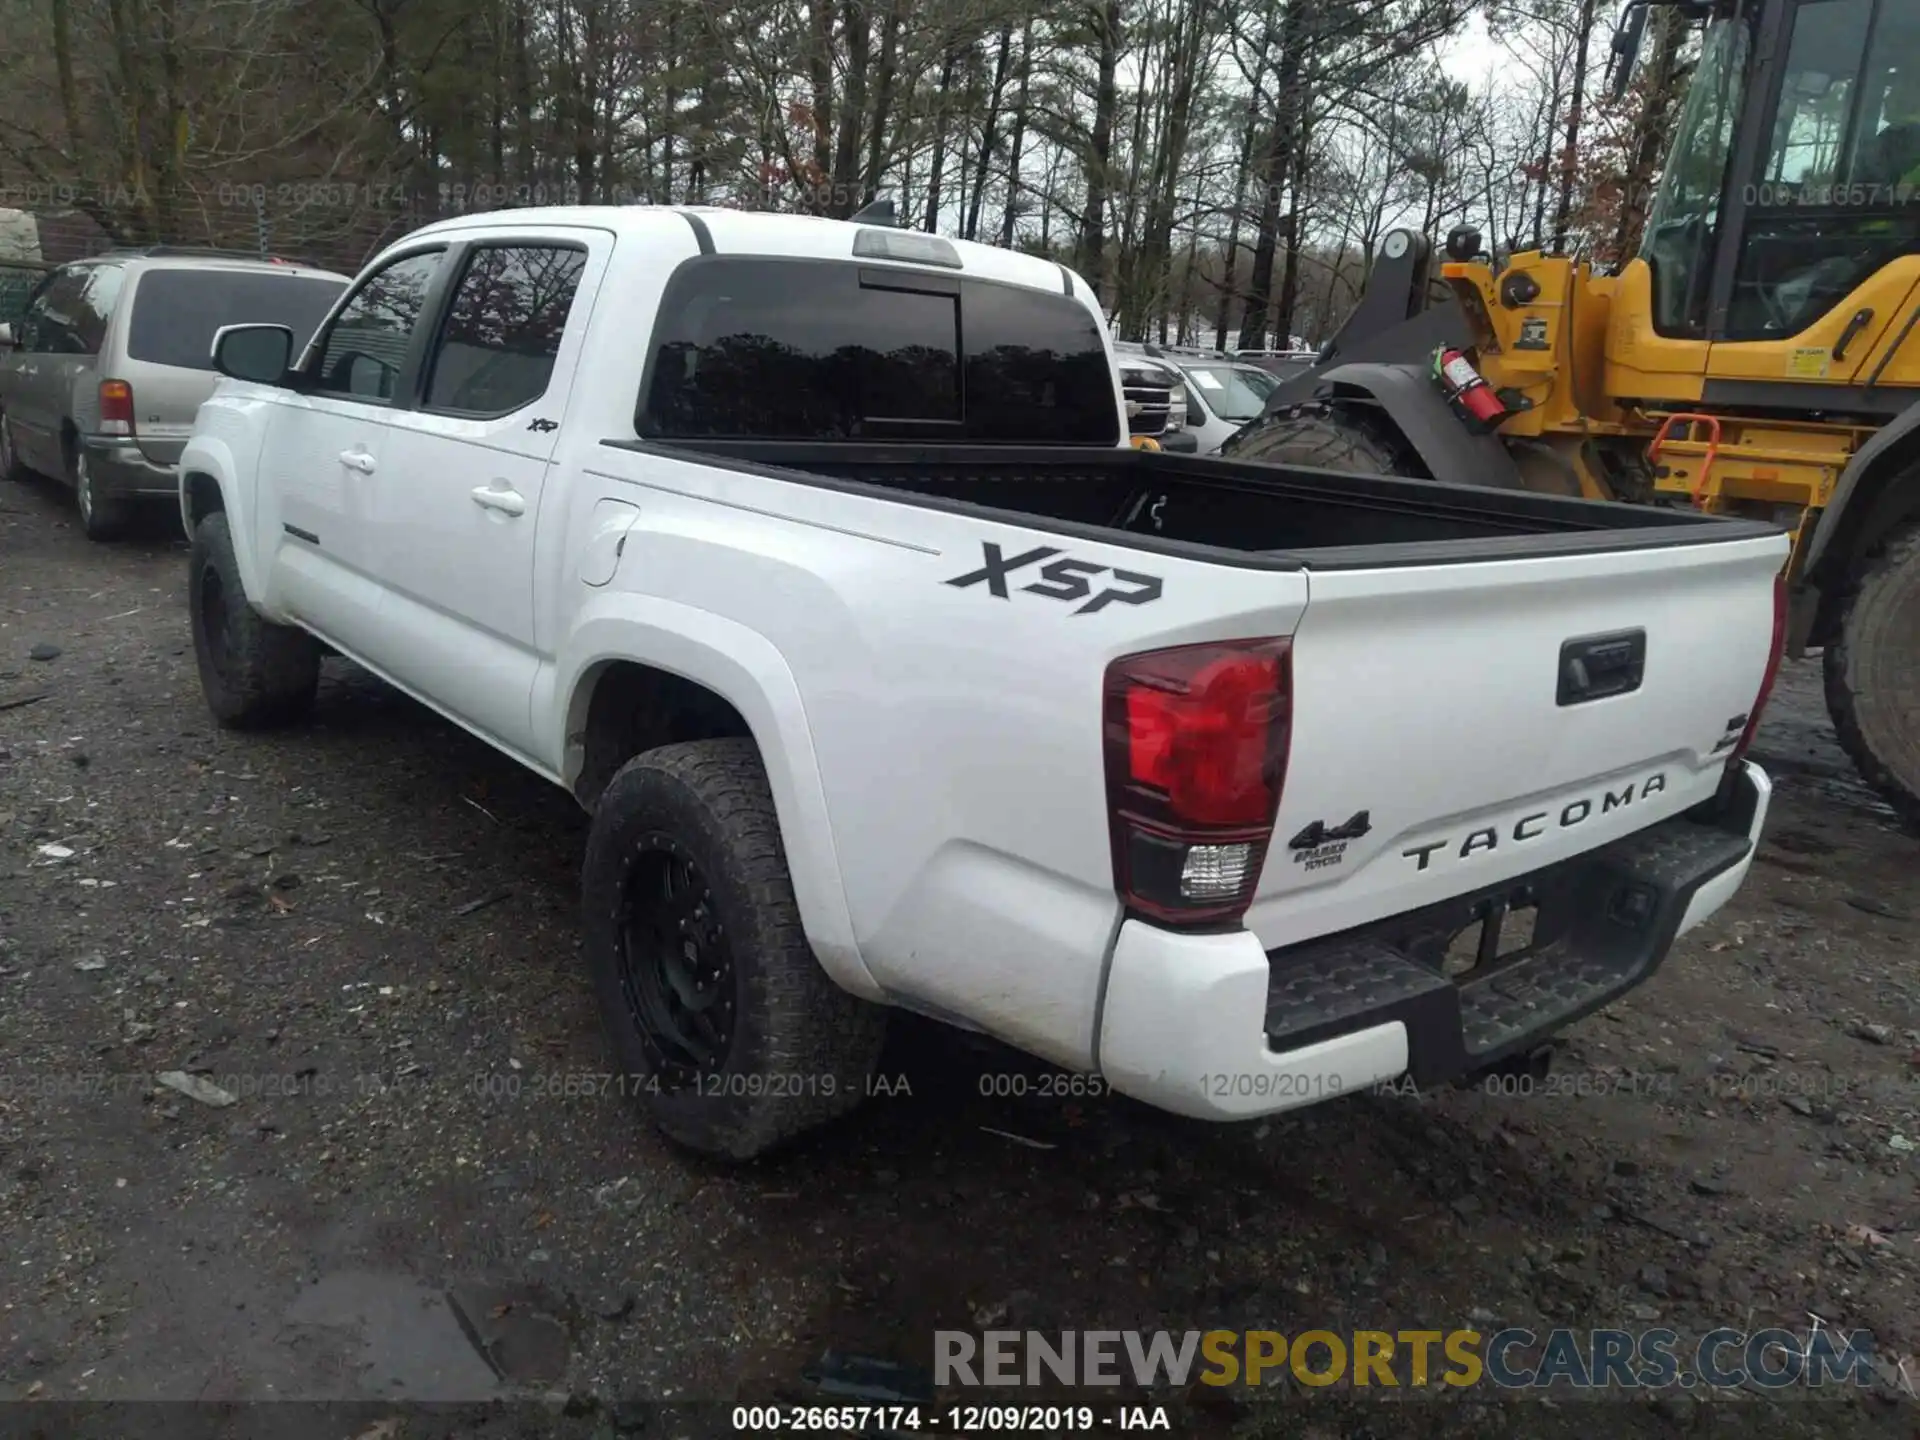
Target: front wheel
point(254, 673)
point(724, 1028)
point(1873, 674)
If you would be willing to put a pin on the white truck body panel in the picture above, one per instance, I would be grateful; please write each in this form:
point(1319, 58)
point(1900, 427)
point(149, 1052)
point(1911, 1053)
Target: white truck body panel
point(934, 750)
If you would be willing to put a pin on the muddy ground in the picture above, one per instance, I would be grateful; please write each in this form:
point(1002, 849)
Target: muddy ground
point(366, 928)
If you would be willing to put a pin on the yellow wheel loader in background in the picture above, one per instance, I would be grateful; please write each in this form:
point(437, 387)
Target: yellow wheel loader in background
point(1759, 357)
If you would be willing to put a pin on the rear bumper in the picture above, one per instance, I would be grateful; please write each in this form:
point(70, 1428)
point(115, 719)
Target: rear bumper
point(1214, 1027)
point(121, 471)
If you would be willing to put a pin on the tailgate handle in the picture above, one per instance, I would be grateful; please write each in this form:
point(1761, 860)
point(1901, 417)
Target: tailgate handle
point(1598, 666)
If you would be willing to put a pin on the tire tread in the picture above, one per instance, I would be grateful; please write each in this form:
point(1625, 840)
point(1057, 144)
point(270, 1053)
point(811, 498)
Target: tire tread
point(1322, 436)
point(276, 669)
point(800, 1022)
point(1899, 552)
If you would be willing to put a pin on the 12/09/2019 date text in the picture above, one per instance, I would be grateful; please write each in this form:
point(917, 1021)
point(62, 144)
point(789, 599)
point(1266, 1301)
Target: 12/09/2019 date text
point(953, 1420)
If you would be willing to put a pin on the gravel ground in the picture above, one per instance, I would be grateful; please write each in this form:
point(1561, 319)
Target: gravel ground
point(365, 931)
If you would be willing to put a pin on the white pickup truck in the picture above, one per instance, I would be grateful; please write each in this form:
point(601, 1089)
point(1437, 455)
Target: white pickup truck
point(812, 558)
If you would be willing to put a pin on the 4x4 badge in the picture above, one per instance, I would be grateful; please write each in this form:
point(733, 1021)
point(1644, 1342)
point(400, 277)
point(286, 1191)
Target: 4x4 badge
point(1320, 844)
point(1320, 833)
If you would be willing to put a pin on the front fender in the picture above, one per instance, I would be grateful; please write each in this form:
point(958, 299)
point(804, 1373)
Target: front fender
point(1857, 509)
point(744, 668)
point(213, 457)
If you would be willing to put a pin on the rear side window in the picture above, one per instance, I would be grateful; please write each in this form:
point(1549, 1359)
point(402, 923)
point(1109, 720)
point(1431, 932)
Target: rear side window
point(176, 312)
point(70, 316)
point(503, 329)
point(825, 350)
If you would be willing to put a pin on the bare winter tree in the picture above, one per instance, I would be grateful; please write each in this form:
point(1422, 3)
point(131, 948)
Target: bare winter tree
point(1213, 167)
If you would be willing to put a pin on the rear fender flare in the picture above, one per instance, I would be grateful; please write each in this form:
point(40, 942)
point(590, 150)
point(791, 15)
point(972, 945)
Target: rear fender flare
point(1407, 397)
point(745, 669)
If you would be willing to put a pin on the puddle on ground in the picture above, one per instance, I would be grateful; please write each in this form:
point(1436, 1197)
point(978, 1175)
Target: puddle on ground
point(411, 1343)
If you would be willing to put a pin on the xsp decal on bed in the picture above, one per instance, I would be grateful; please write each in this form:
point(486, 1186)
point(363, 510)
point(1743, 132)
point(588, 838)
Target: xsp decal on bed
point(1063, 579)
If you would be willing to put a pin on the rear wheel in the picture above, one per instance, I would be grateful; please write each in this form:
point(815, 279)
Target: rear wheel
point(11, 465)
point(725, 1029)
point(102, 517)
point(1873, 674)
point(1319, 436)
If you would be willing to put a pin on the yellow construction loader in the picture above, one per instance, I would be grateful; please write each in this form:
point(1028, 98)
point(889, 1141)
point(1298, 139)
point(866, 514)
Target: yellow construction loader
point(1757, 358)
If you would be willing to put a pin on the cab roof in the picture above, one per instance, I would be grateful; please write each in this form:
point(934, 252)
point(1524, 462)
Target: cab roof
point(759, 232)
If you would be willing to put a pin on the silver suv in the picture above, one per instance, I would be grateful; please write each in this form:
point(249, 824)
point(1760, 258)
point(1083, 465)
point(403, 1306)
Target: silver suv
point(103, 371)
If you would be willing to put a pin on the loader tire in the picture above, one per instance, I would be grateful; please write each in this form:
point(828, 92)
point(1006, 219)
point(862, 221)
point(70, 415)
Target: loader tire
point(1873, 673)
point(1320, 437)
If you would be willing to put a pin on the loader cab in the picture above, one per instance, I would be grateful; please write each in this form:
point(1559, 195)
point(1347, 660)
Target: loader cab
point(1786, 233)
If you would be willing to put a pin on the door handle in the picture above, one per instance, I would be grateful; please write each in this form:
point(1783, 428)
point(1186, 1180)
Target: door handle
point(1852, 333)
point(507, 501)
point(357, 460)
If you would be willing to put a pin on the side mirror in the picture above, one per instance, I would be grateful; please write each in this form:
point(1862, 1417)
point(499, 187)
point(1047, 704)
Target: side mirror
point(259, 353)
point(7, 342)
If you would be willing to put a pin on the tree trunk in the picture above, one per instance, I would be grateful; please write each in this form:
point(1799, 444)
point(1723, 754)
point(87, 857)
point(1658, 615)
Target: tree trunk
point(496, 96)
point(1230, 279)
point(172, 150)
point(1107, 16)
point(1170, 154)
point(1570, 162)
point(820, 73)
point(1294, 234)
point(856, 24)
point(939, 143)
point(883, 101)
point(529, 157)
point(1046, 204)
point(670, 105)
point(1276, 171)
point(1002, 60)
point(63, 71)
point(586, 170)
point(1663, 93)
point(1017, 140)
point(965, 166)
point(136, 119)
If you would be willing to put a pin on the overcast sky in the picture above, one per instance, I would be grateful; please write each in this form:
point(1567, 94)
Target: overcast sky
point(1471, 54)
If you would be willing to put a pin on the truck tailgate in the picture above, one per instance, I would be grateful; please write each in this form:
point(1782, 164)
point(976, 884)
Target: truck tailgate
point(1457, 726)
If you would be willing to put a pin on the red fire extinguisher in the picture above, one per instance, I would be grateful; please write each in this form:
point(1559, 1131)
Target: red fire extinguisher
point(1468, 391)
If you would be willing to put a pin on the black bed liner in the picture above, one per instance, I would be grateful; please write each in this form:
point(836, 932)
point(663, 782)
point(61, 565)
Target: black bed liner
point(1220, 511)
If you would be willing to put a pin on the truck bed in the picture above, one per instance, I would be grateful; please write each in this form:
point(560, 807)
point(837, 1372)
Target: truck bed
point(1225, 511)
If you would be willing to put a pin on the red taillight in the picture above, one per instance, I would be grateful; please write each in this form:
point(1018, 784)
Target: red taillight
point(1196, 741)
point(116, 407)
point(1772, 673)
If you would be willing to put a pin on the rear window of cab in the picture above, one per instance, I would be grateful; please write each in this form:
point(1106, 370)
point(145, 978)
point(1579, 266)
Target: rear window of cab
point(777, 349)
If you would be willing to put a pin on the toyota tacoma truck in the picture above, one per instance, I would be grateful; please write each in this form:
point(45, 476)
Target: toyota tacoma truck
point(813, 559)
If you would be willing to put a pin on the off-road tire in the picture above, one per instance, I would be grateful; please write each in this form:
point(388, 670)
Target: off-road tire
point(1873, 673)
point(102, 517)
point(1320, 436)
point(255, 674)
point(801, 1050)
point(12, 467)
